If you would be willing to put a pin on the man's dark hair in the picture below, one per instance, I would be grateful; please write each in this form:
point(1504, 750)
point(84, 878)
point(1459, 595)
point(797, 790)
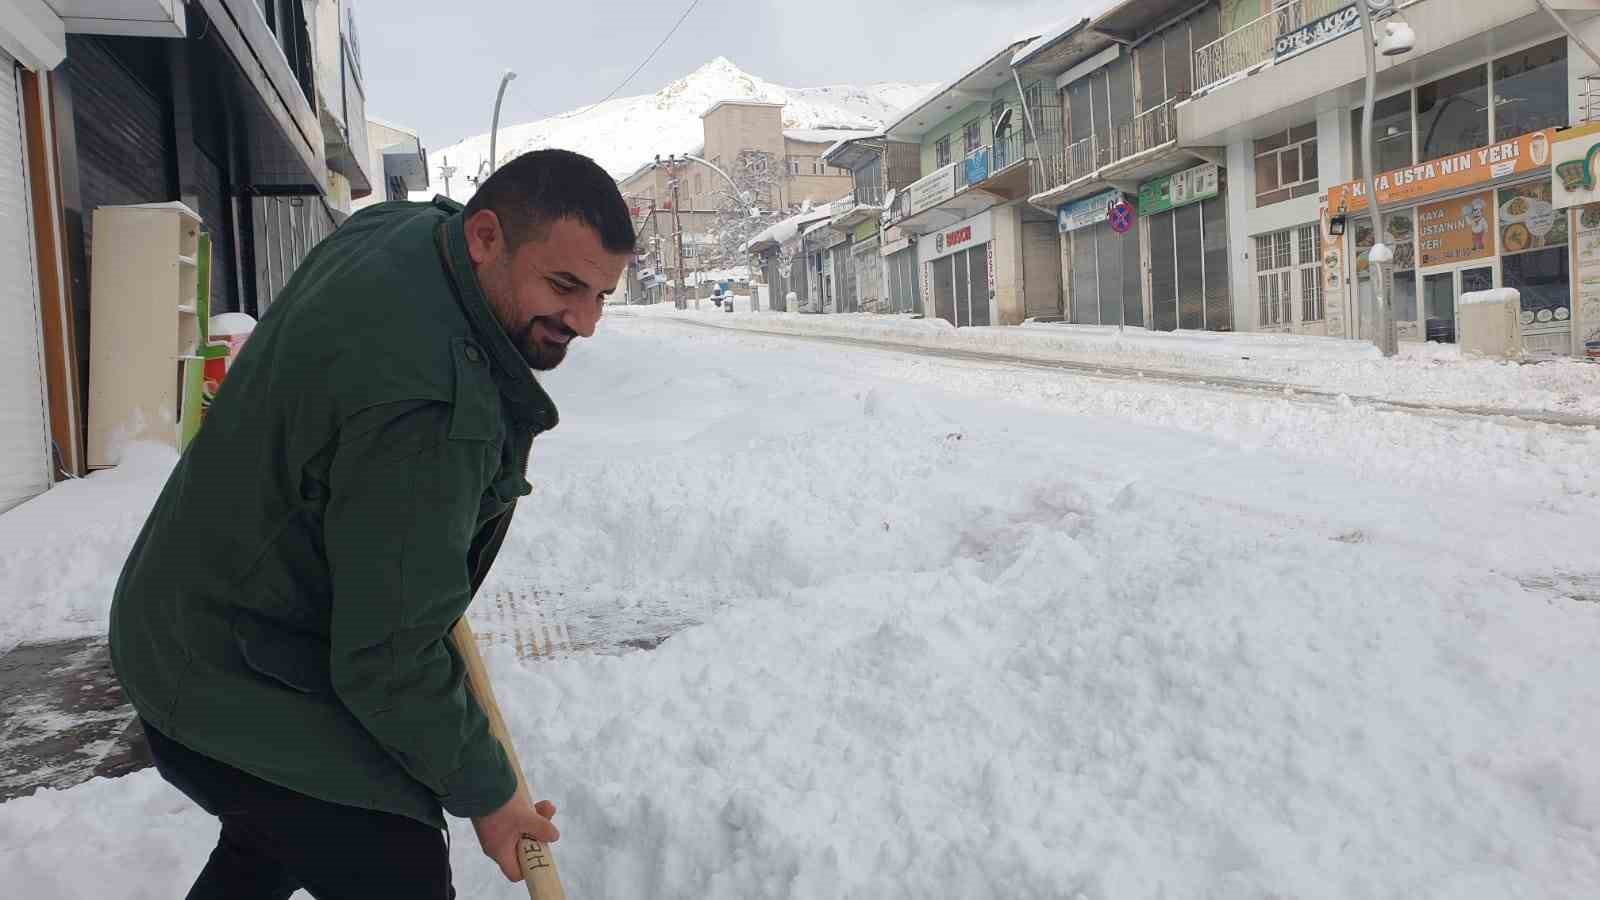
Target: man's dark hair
point(534, 190)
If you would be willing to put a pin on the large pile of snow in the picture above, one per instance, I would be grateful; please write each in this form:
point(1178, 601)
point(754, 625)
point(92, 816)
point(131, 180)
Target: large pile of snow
point(61, 552)
point(951, 629)
point(1423, 373)
point(625, 133)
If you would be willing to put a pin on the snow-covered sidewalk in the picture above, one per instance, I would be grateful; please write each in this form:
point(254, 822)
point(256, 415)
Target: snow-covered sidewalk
point(950, 630)
point(1432, 374)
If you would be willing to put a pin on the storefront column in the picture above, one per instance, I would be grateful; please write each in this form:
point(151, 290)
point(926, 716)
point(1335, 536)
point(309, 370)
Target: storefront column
point(1241, 218)
point(1007, 306)
point(1335, 142)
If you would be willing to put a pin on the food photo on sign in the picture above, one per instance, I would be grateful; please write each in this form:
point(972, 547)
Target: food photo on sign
point(1397, 233)
point(1528, 220)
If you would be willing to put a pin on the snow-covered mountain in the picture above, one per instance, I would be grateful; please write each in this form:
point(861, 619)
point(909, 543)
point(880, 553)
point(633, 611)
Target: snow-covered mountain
point(625, 133)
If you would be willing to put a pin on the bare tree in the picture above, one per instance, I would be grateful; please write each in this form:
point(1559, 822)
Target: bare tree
point(740, 218)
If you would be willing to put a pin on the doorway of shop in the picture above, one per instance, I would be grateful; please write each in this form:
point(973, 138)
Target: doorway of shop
point(1441, 296)
point(961, 287)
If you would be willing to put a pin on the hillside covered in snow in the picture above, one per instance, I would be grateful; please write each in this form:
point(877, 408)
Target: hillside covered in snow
point(625, 133)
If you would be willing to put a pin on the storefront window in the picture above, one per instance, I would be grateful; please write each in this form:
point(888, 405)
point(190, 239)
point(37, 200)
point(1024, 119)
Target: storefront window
point(1528, 221)
point(1400, 234)
point(1530, 90)
point(1546, 286)
point(1391, 127)
point(1533, 239)
point(1453, 113)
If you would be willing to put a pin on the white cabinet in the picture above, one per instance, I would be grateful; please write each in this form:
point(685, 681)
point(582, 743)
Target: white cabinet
point(149, 295)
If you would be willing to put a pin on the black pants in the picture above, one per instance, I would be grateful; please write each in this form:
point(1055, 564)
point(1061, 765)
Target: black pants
point(275, 840)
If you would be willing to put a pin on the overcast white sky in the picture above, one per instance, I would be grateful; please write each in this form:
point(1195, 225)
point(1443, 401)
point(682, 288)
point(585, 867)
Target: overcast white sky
point(434, 64)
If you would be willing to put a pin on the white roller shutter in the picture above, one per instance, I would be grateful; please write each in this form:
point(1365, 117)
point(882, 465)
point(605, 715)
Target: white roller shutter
point(24, 429)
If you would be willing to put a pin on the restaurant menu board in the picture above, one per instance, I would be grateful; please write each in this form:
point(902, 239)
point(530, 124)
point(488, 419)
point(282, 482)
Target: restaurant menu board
point(1455, 231)
point(1587, 315)
point(1528, 220)
point(1398, 234)
point(1332, 277)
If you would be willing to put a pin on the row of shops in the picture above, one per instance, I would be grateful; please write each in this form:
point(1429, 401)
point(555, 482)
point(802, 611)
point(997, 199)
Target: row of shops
point(1172, 165)
point(233, 131)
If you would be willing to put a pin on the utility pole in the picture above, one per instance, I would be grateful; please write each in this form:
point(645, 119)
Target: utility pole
point(677, 231)
point(445, 171)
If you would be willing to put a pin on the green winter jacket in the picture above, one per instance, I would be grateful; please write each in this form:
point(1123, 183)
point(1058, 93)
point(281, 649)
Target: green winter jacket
point(286, 607)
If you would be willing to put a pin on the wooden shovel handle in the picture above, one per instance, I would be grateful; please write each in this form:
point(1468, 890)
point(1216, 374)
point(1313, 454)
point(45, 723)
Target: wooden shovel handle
point(539, 873)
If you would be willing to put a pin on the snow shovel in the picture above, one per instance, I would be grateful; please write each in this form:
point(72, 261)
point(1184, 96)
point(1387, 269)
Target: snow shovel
point(539, 873)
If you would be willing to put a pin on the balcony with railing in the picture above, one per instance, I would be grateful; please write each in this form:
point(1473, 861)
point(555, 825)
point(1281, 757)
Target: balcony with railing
point(1288, 64)
point(1147, 131)
point(1136, 148)
point(863, 204)
point(1249, 47)
point(992, 174)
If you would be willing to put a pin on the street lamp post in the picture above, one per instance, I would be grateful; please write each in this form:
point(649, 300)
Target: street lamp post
point(738, 197)
point(494, 125)
point(1387, 338)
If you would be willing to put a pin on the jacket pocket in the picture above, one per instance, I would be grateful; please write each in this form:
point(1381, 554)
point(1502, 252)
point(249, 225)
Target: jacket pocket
point(295, 660)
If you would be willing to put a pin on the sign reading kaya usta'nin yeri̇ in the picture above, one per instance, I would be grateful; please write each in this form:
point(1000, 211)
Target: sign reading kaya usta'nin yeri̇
point(1521, 155)
point(1316, 32)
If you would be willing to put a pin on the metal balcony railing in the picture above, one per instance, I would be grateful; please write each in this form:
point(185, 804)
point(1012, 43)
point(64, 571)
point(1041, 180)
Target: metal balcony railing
point(983, 162)
point(1253, 44)
point(1147, 130)
point(869, 195)
point(1083, 157)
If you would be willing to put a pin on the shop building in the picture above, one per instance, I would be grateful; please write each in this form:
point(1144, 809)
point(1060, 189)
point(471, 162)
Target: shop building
point(1113, 142)
point(1467, 137)
point(883, 262)
point(984, 255)
point(779, 251)
point(249, 116)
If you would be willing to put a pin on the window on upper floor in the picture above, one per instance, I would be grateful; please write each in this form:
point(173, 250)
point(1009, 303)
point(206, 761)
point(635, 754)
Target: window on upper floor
point(1530, 90)
point(971, 136)
point(1515, 94)
point(1286, 165)
point(941, 152)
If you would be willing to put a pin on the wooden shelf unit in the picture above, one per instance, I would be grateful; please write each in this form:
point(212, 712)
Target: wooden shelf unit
point(150, 289)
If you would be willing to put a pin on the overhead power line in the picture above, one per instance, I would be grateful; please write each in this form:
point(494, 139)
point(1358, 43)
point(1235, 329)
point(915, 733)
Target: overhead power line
point(646, 61)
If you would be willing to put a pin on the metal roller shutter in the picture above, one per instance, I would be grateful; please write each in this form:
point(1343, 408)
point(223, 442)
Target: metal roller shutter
point(24, 427)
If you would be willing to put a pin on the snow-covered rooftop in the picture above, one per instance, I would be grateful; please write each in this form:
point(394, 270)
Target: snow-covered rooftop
point(829, 136)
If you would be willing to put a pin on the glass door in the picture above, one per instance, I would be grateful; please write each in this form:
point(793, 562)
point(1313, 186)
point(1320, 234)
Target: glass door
point(1441, 295)
point(1439, 307)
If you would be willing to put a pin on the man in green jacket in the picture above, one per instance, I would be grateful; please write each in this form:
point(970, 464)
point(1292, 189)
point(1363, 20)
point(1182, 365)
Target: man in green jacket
point(281, 624)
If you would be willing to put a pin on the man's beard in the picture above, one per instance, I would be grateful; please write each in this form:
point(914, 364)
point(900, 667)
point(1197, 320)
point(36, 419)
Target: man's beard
point(541, 356)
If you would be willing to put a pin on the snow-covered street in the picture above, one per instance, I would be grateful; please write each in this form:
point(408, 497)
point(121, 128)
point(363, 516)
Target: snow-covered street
point(953, 628)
